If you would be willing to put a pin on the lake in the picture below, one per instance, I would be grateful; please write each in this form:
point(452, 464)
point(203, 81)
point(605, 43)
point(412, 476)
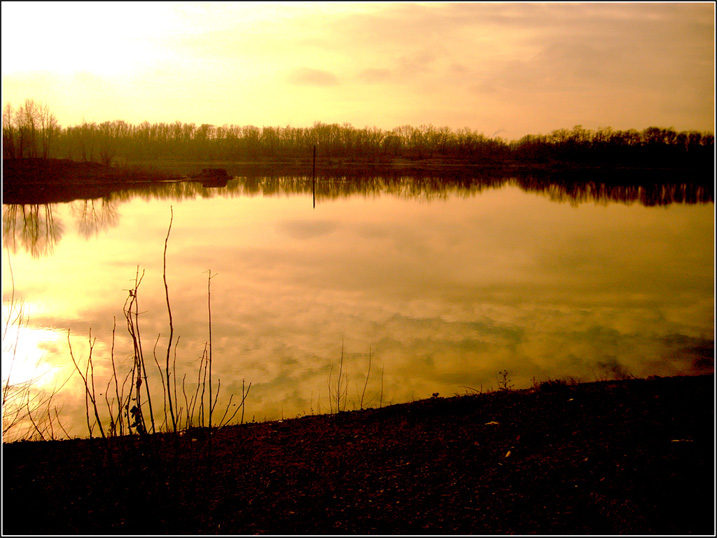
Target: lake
point(406, 287)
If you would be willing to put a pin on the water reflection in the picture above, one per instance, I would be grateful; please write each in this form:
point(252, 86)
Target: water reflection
point(445, 282)
point(649, 189)
point(93, 216)
point(656, 194)
point(32, 227)
point(24, 226)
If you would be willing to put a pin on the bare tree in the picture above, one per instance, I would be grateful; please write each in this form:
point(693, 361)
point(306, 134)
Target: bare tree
point(29, 118)
point(8, 132)
point(107, 141)
point(49, 128)
point(28, 130)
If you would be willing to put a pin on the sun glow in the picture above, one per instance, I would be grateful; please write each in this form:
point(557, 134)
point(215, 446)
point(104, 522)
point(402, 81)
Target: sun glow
point(118, 45)
point(23, 356)
point(517, 68)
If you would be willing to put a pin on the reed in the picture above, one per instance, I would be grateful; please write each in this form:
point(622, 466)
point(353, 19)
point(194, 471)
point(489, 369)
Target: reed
point(338, 394)
point(133, 411)
point(338, 389)
point(88, 379)
point(171, 325)
point(138, 371)
point(209, 308)
point(368, 374)
point(27, 411)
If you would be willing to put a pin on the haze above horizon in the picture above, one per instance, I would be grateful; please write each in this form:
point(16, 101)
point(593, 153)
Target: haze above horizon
point(502, 69)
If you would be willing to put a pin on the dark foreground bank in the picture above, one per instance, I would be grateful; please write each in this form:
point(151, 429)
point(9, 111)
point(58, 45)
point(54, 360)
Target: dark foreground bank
point(633, 457)
point(46, 181)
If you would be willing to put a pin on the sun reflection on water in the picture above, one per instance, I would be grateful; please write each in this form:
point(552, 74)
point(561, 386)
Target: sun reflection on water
point(24, 355)
point(443, 294)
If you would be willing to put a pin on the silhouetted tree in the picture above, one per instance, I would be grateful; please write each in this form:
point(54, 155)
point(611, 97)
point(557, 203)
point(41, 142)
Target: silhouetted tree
point(9, 132)
point(32, 130)
point(49, 129)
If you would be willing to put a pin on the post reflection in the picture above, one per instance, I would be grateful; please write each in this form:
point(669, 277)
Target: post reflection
point(24, 226)
point(445, 283)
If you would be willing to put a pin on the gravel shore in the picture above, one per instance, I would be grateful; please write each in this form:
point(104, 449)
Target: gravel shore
point(612, 457)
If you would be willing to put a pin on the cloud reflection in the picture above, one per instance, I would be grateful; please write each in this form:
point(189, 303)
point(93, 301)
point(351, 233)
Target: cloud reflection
point(300, 230)
point(444, 294)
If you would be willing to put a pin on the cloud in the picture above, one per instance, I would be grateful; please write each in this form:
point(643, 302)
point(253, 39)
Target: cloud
point(372, 75)
point(524, 68)
point(306, 76)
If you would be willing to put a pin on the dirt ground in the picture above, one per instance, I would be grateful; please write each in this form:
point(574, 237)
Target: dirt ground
point(617, 457)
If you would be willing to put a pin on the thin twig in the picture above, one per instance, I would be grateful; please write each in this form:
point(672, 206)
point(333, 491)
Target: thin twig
point(209, 307)
point(367, 376)
point(171, 326)
point(114, 375)
point(85, 381)
point(161, 378)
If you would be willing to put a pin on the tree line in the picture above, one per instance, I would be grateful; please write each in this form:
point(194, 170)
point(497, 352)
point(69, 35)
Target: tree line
point(33, 131)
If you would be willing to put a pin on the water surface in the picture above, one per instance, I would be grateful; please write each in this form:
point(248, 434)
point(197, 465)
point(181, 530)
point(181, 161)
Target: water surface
point(443, 286)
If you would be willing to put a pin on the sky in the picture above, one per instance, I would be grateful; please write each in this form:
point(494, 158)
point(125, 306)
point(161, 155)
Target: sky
point(501, 69)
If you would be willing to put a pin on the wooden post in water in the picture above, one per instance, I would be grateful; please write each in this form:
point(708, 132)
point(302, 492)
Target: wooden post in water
point(313, 178)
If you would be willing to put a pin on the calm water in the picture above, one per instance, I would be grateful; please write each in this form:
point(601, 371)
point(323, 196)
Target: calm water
point(444, 287)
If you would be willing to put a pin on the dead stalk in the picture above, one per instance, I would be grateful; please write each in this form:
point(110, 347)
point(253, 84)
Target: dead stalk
point(340, 394)
point(57, 417)
point(137, 420)
point(368, 373)
point(380, 401)
point(209, 307)
point(222, 423)
point(187, 424)
point(161, 378)
point(331, 405)
point(118, 420)
point(171, 326)
point(338, 383)
point(38, 411)
point(89, 394)
point(174, 381)
point(244, 395)
point(202, 384)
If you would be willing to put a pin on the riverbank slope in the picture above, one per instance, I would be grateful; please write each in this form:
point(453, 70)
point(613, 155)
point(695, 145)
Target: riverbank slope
point(612, 457)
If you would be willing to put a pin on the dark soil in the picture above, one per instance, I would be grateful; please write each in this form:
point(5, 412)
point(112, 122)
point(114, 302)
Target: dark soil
point(623, 457)
point(44, 181)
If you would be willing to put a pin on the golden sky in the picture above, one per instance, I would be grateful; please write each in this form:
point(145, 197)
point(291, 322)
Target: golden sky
point(503, 69)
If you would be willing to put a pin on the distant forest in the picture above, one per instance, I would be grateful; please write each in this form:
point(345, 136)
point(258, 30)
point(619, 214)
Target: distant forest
point(33, 131)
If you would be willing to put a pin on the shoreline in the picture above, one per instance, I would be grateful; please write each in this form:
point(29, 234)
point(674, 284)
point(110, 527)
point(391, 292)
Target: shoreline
point(43, 181)
point(633, 456)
